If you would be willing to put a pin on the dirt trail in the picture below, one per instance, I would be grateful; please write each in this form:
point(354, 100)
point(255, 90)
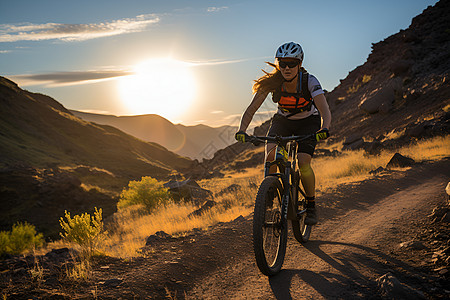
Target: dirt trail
point(356, 242)
point(349, 250)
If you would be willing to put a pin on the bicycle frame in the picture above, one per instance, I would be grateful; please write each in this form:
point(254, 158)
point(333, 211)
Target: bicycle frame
point(270, 220)
point(287, 175)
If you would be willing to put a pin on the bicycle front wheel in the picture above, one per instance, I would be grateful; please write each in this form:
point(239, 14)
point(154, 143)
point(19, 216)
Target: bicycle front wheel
point(269, 231)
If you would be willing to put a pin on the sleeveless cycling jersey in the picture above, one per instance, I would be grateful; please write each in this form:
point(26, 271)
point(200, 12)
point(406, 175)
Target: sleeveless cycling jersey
point(296, 102)
point(299, 105)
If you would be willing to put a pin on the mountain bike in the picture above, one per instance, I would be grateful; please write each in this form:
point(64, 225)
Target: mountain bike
point(277, 201)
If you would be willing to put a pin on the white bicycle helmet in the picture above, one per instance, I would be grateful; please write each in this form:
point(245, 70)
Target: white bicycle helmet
point(290, 50)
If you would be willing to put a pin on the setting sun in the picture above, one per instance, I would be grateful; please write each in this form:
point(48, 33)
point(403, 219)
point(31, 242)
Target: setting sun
point(159, 86)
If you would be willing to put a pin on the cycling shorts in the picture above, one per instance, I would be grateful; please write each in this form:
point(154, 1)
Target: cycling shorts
point(283, 126)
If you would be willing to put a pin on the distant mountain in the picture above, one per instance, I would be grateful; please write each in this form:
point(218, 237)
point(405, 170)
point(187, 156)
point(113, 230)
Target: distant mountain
point(51, 161)
point(203, 141)
point(151, 127)
point(199, 141)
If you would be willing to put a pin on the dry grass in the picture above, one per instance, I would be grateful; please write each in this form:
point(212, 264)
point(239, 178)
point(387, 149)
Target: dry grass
point(80, 271)
point(446, 108)
point(433, 149)
point(132, 228)
point(354, 166)
point(394, 134)
point(351, 166)
point(358, 83)
point(129, 228)
point(37, 271)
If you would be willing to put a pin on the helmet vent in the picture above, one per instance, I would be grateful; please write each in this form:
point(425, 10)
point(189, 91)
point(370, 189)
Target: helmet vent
point(290, 50)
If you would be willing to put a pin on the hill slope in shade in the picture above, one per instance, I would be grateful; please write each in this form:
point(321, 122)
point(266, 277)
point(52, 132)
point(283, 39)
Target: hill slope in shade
point(52, 161)
point(39, 131)
point(196, 142)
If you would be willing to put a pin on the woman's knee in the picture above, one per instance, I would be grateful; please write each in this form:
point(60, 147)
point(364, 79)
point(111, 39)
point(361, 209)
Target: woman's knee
point(304, 164)
point(304, 159)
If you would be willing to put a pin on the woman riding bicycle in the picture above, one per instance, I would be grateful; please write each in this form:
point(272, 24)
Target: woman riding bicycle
point(302, 110)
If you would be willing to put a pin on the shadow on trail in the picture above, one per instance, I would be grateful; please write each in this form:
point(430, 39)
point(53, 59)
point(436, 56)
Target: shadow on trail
point(349, 273)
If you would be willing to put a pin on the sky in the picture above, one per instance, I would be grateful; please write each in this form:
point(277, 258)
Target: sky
point(192, 62)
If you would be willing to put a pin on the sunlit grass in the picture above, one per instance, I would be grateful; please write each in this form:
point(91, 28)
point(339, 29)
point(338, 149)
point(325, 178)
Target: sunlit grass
point(446, 108)
point(354, 166)
point(433, 149)
point(130, 227)
point(358, 83)
point(394, 134)
point(348, 167)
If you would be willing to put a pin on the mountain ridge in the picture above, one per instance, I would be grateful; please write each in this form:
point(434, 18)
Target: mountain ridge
point(190, 141)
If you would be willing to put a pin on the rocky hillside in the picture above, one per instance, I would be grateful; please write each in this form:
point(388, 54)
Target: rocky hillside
point(191, 141)
point(402, 87)
point(51, 160)
point(400, 93)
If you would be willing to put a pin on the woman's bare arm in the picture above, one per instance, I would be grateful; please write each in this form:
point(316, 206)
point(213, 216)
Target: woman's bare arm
point(322, 105)
point(256, 103)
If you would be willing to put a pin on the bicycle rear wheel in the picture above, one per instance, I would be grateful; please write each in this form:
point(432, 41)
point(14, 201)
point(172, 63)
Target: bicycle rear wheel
point(299, 228)
point(269, 231)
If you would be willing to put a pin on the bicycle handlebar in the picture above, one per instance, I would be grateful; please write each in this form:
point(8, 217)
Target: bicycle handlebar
point(256, 140)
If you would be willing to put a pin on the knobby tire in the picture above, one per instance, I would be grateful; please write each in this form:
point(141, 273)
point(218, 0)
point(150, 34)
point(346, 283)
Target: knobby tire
point(269, 235)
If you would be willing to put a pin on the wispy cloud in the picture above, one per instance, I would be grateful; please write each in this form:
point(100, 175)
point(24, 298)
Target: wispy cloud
point(68, 78)
point(216, 9)
point(223, 61)
point(4, 51)
point(74, 32)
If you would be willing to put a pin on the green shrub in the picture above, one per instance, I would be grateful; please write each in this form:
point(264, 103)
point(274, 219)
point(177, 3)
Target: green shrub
point(148, 192)
point(84, 230)
point(4, 242)
point(22, 237)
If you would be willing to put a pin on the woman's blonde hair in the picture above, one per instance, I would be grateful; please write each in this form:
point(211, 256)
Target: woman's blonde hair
point(270, 82)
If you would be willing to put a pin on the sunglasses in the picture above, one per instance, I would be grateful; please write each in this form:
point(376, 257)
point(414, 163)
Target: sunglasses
point(290, 64)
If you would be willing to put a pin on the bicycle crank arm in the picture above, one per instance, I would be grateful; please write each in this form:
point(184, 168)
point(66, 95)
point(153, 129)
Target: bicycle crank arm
point(300, 213)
